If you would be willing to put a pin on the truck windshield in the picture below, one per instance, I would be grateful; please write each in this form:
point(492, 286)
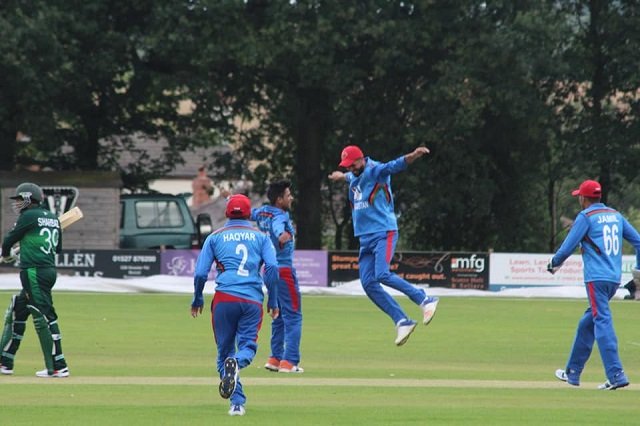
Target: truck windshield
point(158, 214)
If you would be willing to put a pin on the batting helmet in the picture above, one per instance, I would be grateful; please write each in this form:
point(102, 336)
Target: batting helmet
point(27, 193)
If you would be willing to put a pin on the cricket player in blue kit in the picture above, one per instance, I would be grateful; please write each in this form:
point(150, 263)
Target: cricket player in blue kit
point(286, 330)
point(374, 222)
point(599, 231)
point(238, 250)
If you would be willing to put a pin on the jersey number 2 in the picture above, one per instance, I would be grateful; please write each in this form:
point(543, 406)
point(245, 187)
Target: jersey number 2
point(242, 249)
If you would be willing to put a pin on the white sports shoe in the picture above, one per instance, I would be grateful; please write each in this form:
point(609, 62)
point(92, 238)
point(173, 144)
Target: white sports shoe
point(236, 410)
point(620, 381)
point(404, 330)
point(429, 306)
point(573, 379)
point(6, 371)
point(56, 373)
point(561, 374)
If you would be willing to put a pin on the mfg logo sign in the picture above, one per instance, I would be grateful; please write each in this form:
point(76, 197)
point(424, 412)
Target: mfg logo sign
point(473, 263)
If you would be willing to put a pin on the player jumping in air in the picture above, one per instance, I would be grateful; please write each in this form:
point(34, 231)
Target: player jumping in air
point(374, 222)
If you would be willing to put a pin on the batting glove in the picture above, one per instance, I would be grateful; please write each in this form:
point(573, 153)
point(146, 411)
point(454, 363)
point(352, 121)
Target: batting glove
point(15, 252)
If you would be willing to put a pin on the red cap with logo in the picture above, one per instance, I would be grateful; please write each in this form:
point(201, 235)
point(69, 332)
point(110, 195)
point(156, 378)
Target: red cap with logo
point(238, 207)
point(589, 188)
point(350, 154)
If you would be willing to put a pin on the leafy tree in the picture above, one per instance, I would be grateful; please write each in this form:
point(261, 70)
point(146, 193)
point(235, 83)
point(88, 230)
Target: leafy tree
point(27, 54)
point(301, 64)
point(597, 104)
point(515, 99)
point(389, 76)
point(602, 121)
point(112, 73)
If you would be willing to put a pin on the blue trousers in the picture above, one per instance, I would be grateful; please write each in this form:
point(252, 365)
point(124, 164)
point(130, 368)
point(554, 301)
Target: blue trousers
point(235, 321)
point(597, 325)
point(376, 252)
point(286, 330)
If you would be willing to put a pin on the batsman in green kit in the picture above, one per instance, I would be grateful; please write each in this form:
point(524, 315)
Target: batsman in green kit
point(39, 234)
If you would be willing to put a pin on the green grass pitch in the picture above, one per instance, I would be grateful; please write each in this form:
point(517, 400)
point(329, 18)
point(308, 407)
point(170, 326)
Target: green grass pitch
point(142, 360)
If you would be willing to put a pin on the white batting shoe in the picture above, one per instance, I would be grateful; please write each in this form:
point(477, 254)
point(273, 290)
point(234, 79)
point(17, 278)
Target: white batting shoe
point(6, 370)
point(64, 372)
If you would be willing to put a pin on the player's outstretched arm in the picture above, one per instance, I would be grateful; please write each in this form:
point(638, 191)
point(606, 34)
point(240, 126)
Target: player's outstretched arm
point(336, 176)
point(417, 153)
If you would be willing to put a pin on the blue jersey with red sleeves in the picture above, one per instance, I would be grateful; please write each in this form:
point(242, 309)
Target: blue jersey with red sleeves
point(275, 222)
point(238, 250)
point(599, 231)
point(371, 197)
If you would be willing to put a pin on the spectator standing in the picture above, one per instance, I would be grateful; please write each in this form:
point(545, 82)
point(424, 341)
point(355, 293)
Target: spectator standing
point(202, 188)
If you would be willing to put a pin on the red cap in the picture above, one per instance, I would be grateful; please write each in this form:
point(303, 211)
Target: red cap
point(589, 188)
point(350, 154)
point(238, 207)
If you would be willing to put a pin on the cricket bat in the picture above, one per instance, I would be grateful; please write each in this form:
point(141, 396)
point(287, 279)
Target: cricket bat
point(69, 218)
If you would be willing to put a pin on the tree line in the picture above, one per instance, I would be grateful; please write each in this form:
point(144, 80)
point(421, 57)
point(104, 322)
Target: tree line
point(518, 101)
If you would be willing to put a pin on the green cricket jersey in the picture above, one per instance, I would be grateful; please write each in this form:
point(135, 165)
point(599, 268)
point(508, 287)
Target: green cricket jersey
point(40, 236)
